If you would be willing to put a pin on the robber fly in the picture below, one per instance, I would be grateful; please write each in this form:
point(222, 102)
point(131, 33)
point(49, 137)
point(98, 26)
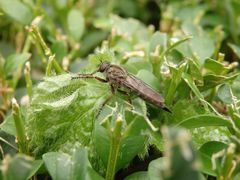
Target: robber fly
point(119, 78)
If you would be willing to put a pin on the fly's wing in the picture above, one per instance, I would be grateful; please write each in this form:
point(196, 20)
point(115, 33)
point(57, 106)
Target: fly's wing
point(144, 91)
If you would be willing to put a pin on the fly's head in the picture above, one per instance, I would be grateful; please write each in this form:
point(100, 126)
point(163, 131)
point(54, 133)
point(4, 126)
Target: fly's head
point(103, 66)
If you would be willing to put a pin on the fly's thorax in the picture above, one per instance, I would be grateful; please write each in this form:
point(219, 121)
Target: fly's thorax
point(116, 73)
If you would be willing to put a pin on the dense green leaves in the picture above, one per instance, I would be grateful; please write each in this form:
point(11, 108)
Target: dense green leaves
point(186, 51)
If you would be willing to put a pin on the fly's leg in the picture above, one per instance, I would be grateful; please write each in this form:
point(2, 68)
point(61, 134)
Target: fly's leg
point(113, 90)
point(82, 76)
point(103, 104)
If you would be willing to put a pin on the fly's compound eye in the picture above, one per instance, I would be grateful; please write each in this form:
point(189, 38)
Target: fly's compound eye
point(103, 66)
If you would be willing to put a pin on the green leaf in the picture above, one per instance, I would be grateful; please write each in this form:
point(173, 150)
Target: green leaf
point(76, 24)
point(91, 174)
point(61, 4)
point(211, 81)
point(19, 167)
point(102, 143)
point(129, 28)
point(140, 175)
point(132, 142)
point(202, 47)
point(58, 165)
point(179, 160)
point(188, 79)
point(17, 10)
point(215, 66)
point(74, 166)
point(195, 72)
point(204, 121)
point(190, 29)
point(59, 48)
point(8, 126)
point(225, 94)
point(129, 148)
point(156, 168)
point(184, 109)
point(177, 43)
point(37, 164)
point(235, 48)
point(158, 39)
point(205, 153)
point(175, 80)
point(133, 65)
point(15, 62)
point(62, 112)
point(149, 78)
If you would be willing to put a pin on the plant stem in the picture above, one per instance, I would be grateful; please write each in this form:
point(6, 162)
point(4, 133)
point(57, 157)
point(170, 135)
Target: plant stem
point(114, 149)
point(49, 66)
point(28, 79)
point(228, 162)
point(27, 44)
point(36, 34)
point(21, 138)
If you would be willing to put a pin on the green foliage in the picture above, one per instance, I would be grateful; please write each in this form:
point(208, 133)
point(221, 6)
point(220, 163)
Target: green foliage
point(70, 166)
point(22, 13)
point(72, 103)
point(189, 54)
point(10, 167)
point(180, 161)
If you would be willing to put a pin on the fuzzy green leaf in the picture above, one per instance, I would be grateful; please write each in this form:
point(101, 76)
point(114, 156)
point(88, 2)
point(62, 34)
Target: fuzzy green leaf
point(63, 111)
